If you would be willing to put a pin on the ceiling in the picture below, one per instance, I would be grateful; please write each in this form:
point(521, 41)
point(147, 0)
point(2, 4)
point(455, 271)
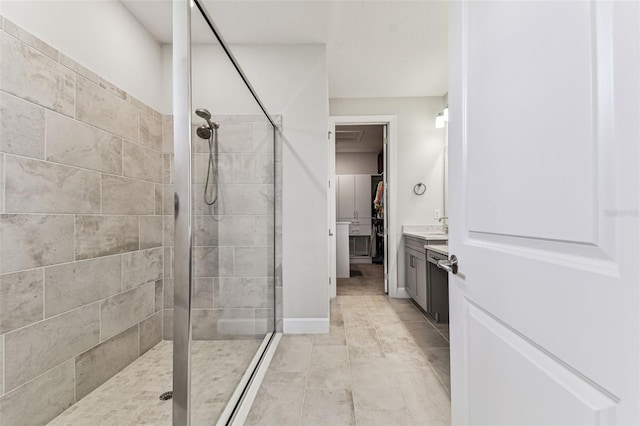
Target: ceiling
point(374, 48)
point(359, 138)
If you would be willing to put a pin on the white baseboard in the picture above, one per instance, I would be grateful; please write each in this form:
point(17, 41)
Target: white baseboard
point(305, 325)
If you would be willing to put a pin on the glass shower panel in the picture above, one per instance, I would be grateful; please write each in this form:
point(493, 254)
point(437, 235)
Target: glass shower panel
point(233, 186)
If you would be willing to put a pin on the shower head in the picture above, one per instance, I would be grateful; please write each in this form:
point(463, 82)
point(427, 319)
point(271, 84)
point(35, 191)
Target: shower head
point(203, 113)
point(204, 131)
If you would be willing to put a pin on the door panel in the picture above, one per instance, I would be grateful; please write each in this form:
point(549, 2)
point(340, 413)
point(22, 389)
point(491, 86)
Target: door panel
point(549, 393)
point(346, 206)
point(544, 181)
point(509, 79)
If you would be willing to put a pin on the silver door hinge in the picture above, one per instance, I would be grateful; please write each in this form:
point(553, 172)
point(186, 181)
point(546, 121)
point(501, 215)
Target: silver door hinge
point(329, 134)
point(329, 280)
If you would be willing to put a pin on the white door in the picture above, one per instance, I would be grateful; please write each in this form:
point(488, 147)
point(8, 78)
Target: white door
point(385, 203)
point(544, 151)
point(331, 213)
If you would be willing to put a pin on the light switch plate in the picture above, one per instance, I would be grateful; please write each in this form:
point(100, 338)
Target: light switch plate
point(436, 214)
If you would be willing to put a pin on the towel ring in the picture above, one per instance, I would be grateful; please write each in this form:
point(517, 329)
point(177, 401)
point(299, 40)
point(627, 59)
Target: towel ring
point(419, 188)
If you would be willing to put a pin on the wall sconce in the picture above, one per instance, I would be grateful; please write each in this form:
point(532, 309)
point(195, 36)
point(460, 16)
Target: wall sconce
point(445, 113)
point(440, 120)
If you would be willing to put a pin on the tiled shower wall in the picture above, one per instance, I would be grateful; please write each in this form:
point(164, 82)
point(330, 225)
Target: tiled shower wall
point(235, 239)
point(84, 244)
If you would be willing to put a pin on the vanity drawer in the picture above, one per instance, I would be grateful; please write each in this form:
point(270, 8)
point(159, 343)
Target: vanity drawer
point(359, 229)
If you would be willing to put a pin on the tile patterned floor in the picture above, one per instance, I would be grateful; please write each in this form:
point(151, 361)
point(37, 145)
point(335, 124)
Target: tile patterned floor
point(372, 369)
point(366, 279)
point(131, 396)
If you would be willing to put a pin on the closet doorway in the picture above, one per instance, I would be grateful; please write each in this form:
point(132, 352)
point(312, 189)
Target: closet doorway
point(360, 206)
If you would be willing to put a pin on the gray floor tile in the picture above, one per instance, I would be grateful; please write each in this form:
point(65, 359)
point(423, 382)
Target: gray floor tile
point(328, 407)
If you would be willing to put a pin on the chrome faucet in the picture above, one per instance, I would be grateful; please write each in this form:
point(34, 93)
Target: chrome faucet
point(445, 226)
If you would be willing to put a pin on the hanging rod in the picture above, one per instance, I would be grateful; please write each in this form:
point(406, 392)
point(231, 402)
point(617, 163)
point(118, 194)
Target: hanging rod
point(233, 60)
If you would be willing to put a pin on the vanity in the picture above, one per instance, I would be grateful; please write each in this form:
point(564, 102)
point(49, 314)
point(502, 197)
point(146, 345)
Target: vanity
point(425, 282)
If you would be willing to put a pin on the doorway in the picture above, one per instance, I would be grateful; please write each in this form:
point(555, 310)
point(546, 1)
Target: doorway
point(360, 209)
point(360, 205)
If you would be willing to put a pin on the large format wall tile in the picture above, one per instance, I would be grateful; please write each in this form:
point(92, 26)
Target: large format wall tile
point(203, 292)
point(1, 182)
point(32, 350)
point(22, 35)
point(21, 127)
point(224, 230)
point(224, 164)
point(167, 324)
point(104, 235)
point(253, 168)
point(150, 131)
point(77, 144)
point(243, 293)
point(168, 293)
point(150, 332)
point(76, 284)
point(151, 232)
point(253, 261)
point(141, 267)
point(102, 362)
point(235, 137)
point(29, 74)
point(159, 296)
point(127, 196)
point(141, 163)
point(216, 324)
point(21, 299)
point(213, 261)
point(100, 108)
point(33, 186)
point(247, 199)
point(1, 369)
point(126, 309)
point(167, 136)
point(41, 400)
point(30, 241)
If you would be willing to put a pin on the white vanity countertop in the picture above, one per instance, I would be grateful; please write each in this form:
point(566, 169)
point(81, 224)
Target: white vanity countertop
point(425, 232)
point(438, 248)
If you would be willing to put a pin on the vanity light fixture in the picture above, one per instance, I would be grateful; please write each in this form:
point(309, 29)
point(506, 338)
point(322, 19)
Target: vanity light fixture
point(440, 120)
point(445, 113)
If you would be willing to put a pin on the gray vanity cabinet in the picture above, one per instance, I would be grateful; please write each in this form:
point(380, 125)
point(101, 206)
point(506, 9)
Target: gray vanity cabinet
point(416, 271)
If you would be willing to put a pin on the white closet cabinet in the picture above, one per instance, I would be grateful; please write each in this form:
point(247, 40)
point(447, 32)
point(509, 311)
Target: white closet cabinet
point(354, 199)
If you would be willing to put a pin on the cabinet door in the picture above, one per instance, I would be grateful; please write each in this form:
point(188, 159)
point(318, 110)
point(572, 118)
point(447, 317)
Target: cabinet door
point(420, 264)
point(363, 201)
point(346, 197)
point(410, 273)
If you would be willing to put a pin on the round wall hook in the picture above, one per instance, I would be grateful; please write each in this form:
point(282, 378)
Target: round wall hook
point(419, 188)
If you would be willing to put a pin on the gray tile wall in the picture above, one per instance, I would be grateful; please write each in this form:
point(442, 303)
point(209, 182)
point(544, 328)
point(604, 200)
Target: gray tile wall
point(85, 238)
point(234, 244)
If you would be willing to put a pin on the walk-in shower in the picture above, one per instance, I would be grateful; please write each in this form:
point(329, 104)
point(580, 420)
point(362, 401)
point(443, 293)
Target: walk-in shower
point(139, 242)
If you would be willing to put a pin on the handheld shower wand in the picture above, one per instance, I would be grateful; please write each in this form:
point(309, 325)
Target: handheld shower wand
point(209, 131)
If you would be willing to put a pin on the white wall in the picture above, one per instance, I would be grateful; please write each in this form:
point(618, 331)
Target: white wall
point(419, 156)
point(357, 163)
point(292, 82)
point(100, 35)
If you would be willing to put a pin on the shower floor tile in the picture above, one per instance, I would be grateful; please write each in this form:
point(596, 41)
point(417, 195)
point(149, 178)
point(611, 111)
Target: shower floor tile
point(131, 397)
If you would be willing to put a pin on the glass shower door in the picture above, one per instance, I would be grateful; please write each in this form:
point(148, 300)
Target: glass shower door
point(225, 281)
